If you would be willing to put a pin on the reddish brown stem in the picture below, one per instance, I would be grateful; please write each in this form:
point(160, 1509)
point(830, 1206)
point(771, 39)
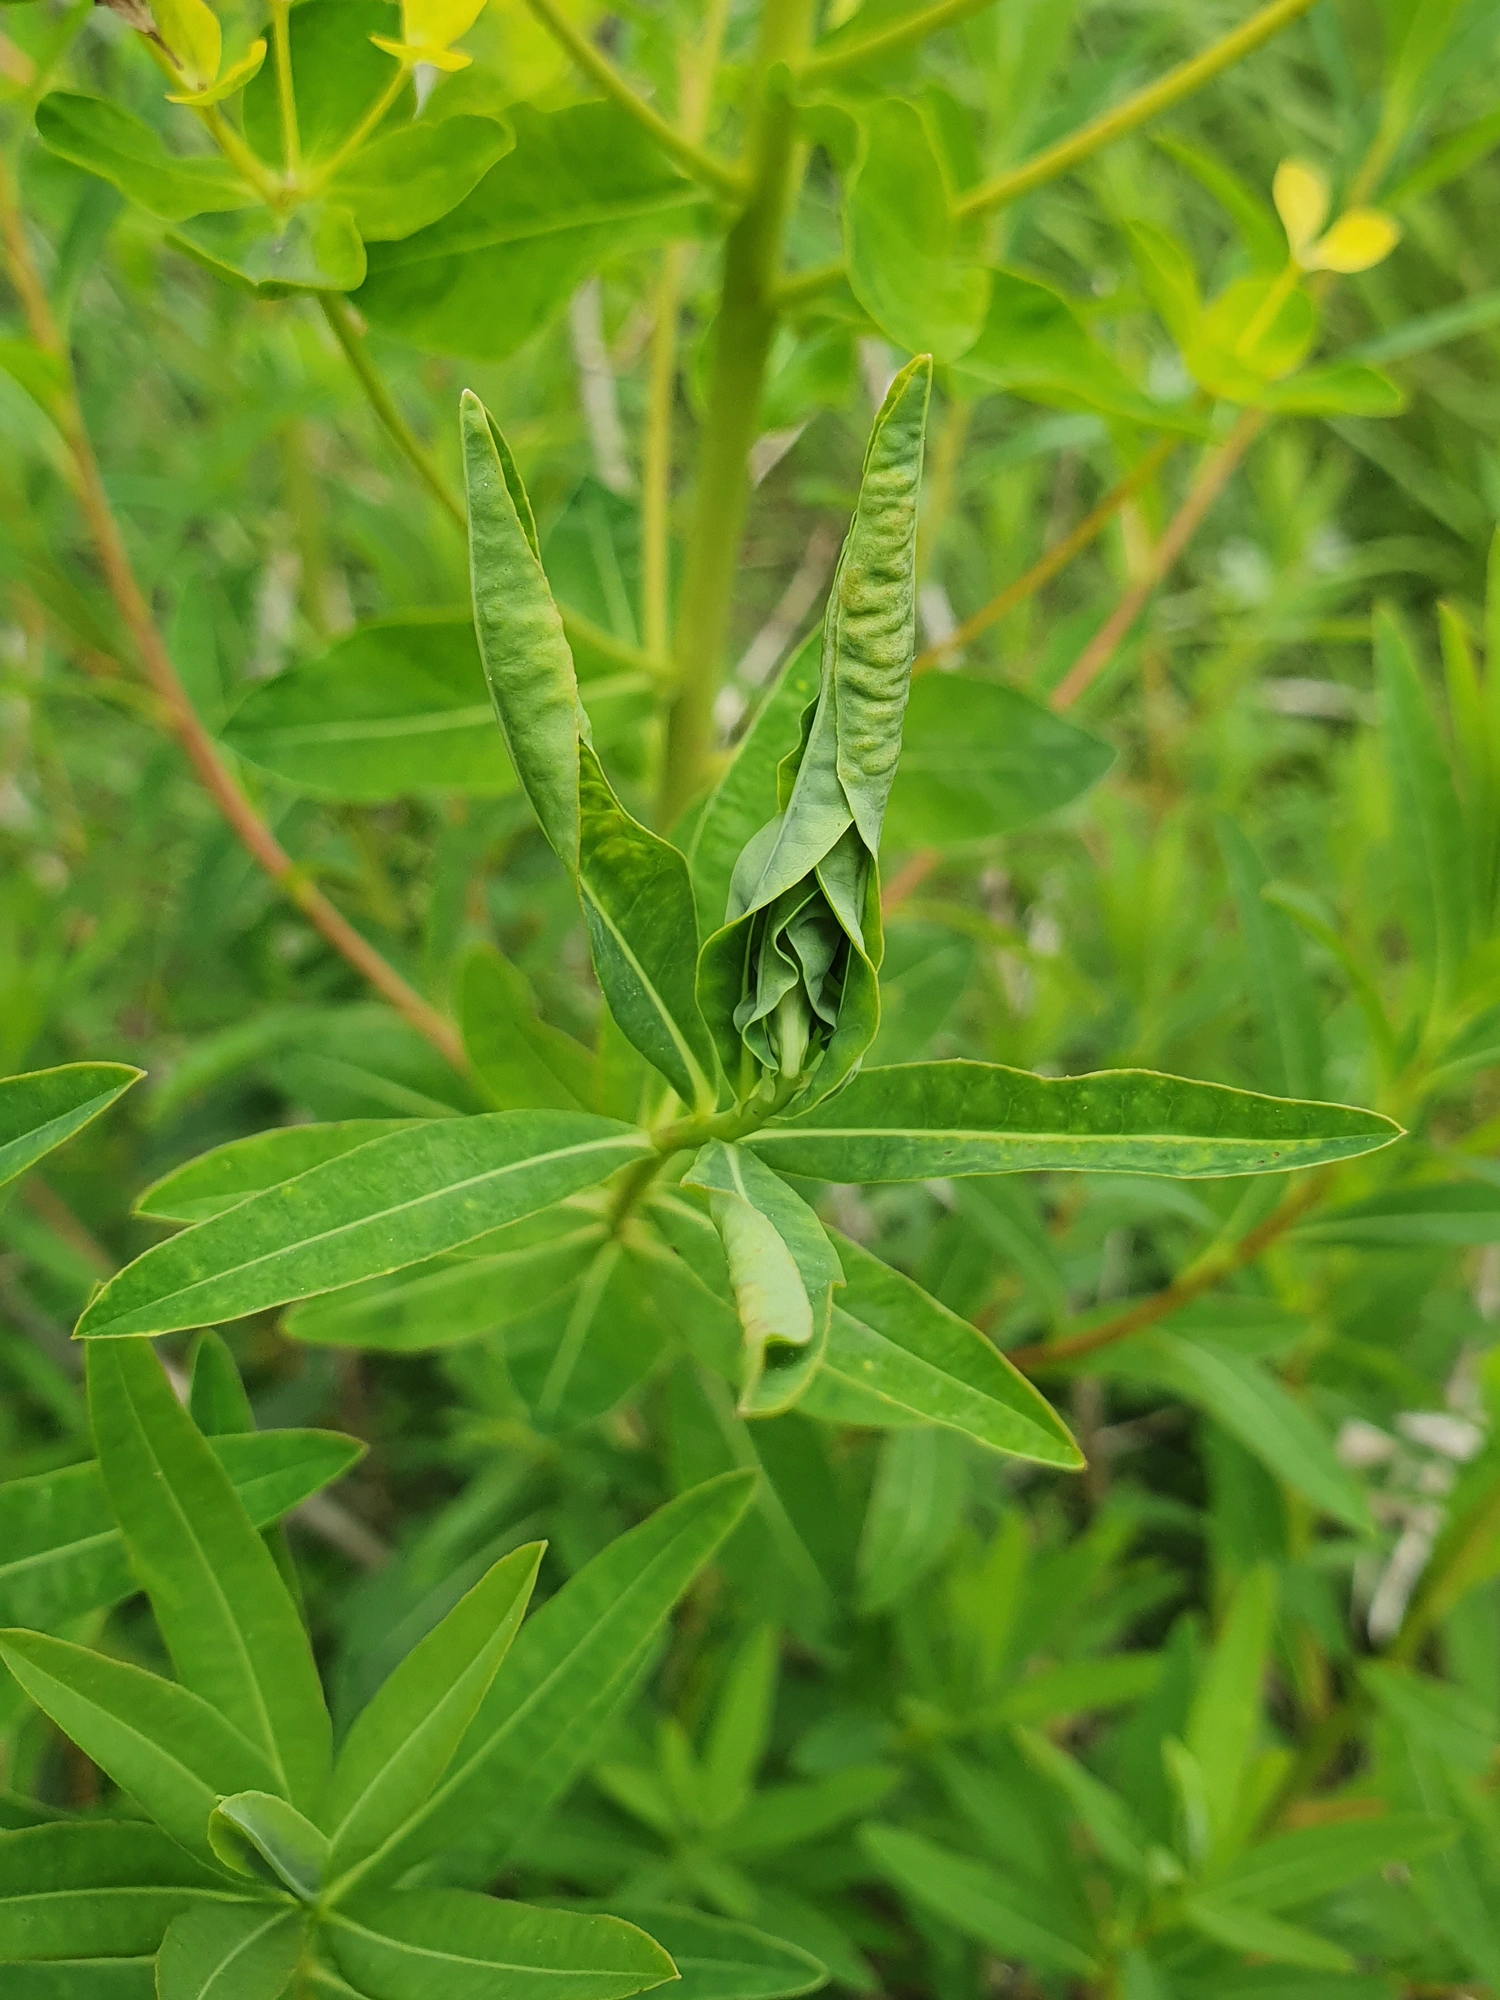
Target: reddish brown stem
point(180, 716)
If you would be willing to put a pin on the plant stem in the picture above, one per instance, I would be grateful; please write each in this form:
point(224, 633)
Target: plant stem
point(741, 345)
point(1209, 1270)
point(823, 64)
point(700, 163)
point(336, 311)
point(291, 140)
point(368, 124)
point(1055, 559)
point(234, 149)
point(1212, 477)
point(1135, 111)
point(181, 717)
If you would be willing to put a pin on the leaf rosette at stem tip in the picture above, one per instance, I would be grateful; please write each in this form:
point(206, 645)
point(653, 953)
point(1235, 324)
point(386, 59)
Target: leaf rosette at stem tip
point(789, 984)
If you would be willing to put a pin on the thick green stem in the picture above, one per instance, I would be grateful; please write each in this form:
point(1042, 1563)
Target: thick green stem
point(742, 342)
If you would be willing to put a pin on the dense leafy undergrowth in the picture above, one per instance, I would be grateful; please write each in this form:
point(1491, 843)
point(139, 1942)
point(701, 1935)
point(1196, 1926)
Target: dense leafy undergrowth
point(761, 1074)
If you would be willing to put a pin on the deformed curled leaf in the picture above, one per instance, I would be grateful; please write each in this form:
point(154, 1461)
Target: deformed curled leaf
point(788, 985)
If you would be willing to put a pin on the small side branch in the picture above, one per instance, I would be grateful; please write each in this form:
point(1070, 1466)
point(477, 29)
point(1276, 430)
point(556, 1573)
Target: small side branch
point(824, 64)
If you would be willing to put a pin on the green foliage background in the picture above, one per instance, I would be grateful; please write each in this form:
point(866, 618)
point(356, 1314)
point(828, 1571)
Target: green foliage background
point(1220, 1713)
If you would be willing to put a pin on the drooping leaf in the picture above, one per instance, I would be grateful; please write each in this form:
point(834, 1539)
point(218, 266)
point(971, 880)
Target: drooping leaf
point(782, 1268)
point(920, 1121)
point(170, 1749)
point(105, 140)
point(44, 1108)
point(401, 1744)
point(906, 265)
point(451, 1942)
point(61, 1551)
point(392, 1202)
point(560, 1685)
point(229, 1623)
point(230, 1951)
point(979, 760)
point(894, 1351)
point(581, 185)
point(94, 1889)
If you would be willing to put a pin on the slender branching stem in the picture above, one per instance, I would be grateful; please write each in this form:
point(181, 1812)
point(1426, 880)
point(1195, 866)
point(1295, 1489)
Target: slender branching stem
point(181, 718)
point(825, 64)
point(286, 96)
point(347, 333)
point(597, 67)
point(1054, 561)
point(743, 331)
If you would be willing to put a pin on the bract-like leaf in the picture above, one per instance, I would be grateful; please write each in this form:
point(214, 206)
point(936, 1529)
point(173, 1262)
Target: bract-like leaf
point(411, 177)
point(560, 1685)
point(61, 1551)
point(782, 1267)
point(894, 1351)
point(93, 1889)
point(404, 1740)
point(394, 1201)
point(228, 1621)
point(42, 1109)
point(466, 1947)
point(230, 1951)
point(920, 1121)
point(171, 1750)
point(103, 139)
point(315, 248)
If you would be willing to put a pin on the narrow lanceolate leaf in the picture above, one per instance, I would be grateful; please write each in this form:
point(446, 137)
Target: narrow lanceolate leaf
point(718, 1959)
point(1313, 1861)
point(225, 1177)
point(1433, 862)
point(395, 1201)
point(788, 985)
point(921, 1121)
point(643, 933)
point(522, 1061)
point(460, 1946)
point(1283, 993)
point(782, 1269)
point(1242, 1929)
point(895, 1353)
point(61, 1550)
point(40, 1110)
point(169, 1749)
point(228, 1621)
point(973, 1896)
point(230, 1951)
point(94, 1889)
point(526, 657)
point(560, 1685)
point(403, 1742)
point(1225, 1719)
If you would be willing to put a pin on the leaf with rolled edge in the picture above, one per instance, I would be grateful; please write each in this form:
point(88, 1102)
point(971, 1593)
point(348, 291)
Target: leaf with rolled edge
point(788, 983)
point(450, 1300)
point(42, 1109)
point(522, 1061)
point(403, 1741)
point(61, 1550)
point(169, 1748)
point(783, 1270)
point(395, 1201)
point(718, 1959)
point(560, 1686)
point(94, 1889)
point(526, 657)
point(225, 1177)
point(461, 1946)
point(643, 935)
point(230, 1951)
point(894, 1350)
point(745, 796)
point(105, 140)
point(221, 1605)
point(922, 1121)
point(260, 1836)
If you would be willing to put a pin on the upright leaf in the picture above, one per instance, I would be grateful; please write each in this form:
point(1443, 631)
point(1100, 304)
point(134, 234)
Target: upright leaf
point(402, 1743)
point(782, 1268)
point(1225, 1719)
point(392, 1202)
point(1284, 995)
point(39, 1111)
point(921, 1121)
point(561, 1684)
point(224, 1611)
